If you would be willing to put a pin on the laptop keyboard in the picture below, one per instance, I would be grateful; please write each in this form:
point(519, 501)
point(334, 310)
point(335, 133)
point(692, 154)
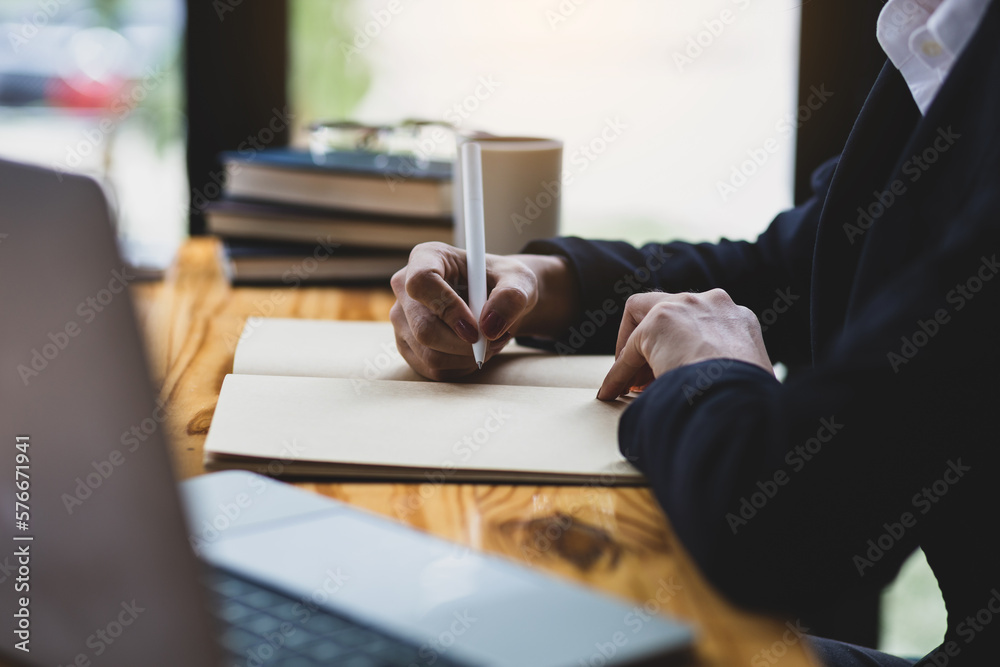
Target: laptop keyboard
point(263, 628)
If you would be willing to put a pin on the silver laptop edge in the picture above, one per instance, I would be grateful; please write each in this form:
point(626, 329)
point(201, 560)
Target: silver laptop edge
point(441, 596)
point(108, 576)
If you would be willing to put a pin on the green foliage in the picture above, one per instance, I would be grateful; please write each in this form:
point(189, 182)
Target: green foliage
point(162, 110)
point(109, 11)
point(327, 77)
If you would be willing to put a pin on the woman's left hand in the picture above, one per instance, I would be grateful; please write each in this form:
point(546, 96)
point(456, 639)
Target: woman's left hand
point(661, 331)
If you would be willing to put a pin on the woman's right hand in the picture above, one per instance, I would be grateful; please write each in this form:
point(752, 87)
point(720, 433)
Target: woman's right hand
point(434, 326)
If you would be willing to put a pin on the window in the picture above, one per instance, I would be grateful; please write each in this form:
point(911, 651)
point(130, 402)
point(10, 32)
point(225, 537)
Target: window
point(94, 87)
point(677, 117)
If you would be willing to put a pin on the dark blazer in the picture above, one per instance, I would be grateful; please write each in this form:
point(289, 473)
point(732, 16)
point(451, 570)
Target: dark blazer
point(885, 289)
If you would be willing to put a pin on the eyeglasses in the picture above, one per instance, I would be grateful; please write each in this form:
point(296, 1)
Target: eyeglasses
point(423, 140)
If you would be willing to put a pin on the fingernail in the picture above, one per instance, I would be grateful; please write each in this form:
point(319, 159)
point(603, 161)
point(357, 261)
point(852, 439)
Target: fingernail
point(493, 325)
point(466, 331)
point(500, 342)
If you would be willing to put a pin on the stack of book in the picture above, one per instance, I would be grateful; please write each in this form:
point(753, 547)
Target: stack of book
point(286, 219)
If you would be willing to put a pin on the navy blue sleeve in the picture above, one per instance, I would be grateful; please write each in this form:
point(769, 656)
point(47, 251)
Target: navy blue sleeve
point(871, 444)
point(769, 276)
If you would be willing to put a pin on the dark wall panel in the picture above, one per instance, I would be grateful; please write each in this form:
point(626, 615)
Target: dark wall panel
point(841, 55)
point(236, 69)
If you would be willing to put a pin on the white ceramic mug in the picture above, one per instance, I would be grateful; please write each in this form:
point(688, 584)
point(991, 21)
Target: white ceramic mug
point(522, 190)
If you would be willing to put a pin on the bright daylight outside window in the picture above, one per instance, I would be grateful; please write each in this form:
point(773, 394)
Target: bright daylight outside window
point(93, 86)
point(660, 104)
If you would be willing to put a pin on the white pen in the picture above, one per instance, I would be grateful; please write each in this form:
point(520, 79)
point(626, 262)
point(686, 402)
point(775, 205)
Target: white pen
point(475, 237)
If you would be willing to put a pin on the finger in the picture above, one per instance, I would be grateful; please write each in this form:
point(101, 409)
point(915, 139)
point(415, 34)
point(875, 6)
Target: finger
point(427, 330)
point(496, 346)
point(643, 378)
point(441, 365)
point(403, 337)
point(398, 319)
point(409, 356)
point(636, 308)
point(630, 320)
point(625, 370)
point(508, 300)
point(426, 283)
point(493, 348)
point(434, 365)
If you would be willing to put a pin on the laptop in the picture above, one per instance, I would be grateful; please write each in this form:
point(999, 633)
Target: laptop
point(108, 561)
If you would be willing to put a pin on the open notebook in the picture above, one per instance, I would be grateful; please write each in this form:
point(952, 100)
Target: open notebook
point(326, 398)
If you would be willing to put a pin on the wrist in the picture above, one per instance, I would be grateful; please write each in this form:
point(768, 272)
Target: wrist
point(558, 297)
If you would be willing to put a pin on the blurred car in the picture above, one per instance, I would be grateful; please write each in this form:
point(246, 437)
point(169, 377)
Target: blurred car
point(62, 54)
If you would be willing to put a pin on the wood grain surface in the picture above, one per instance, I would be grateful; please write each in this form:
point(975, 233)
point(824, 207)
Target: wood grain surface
point(614, 539)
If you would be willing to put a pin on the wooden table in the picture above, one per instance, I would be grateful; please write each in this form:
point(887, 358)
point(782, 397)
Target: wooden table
point(613, 539)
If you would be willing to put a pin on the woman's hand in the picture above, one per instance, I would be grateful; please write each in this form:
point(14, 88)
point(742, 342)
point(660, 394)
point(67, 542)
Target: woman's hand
point(434, 326)
point(660, 332)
